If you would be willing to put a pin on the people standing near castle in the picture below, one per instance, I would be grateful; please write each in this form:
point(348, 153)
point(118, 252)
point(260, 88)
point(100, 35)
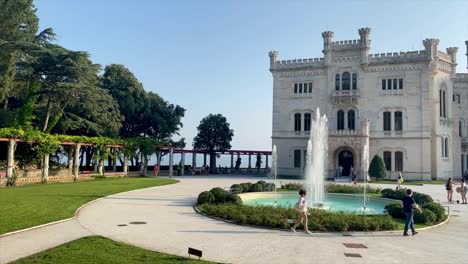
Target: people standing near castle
point(463, 191)
point(301, 206)
point(340, 171)
point(409, 205)
point(449, 189)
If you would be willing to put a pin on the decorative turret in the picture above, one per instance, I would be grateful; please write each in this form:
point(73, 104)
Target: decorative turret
point(364, 33)
point(431, 48)
point(452, 52)
point(327, 46)
point(273, 58)
point(466, 42)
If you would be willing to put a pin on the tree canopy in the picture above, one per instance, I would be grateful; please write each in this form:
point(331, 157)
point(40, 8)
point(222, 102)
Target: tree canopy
point(377, 167)
point(214, 134)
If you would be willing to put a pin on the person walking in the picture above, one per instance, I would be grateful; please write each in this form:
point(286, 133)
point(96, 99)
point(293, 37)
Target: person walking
point(340, 171)
point(409, 205)
point(399, 181)
point(301, 206)
point(463, 191)
point(449, 189)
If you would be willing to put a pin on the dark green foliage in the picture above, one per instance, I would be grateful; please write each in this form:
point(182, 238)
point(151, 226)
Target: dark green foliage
point(269, 187)
point(246, 186)
point(258, 163)
point(292, 186)
point(219, 194)
point(233, 198)
point(437, 209)
point(393, 194)
point(377, 168)
point(395, 210)
point(205, 197)
point(421, 198)
point(236, 188)
point(238, 163)
point(319, 220)
point(426, 217)
point(257, 187)
point(339, 188)
point(262, 182)
point(214, 134)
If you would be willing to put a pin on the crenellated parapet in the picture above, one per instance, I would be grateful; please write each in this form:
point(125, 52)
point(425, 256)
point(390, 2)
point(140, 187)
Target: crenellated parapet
point(346, 44)
point(298, 63)
point(398, 57)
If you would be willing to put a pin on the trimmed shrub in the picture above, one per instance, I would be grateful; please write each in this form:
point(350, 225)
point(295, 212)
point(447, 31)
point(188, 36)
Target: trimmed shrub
point(377, 167)
point(262, 182)
point(246, 186)
point(421, 198)
point(292, 186)
point(395, 210)
point(339, 188)
point(233, 198)
point(336, 223)
point(236, 188)
point(437, 209)
point(269, 187)
point(219, 195)
point(256, 188)
point(205, 198)
point(426, 217)
point(393, 194)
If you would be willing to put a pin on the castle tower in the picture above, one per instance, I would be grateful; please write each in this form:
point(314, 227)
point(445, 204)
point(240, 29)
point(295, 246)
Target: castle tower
point(273, 58)
point(364, 33)
point(327, 46)
point(431, 48)
point(452, 51)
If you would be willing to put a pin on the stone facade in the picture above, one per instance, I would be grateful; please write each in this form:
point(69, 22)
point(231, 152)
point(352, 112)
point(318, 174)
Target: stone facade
point(404, 98)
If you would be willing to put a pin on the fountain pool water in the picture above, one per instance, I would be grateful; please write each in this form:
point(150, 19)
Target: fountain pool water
point(334, 202)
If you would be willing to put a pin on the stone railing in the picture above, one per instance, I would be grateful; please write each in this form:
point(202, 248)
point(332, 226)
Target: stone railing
point(346, 93)
point(346, 44)
point(395, 57)
point(298, 63)
point(344, 132)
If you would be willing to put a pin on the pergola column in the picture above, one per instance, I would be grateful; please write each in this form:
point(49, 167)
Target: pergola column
point(76, 162)
point(204, 159)
point(194, 160)
point(171, 159)
point(182, 162)
point(100, 166)
point(232, 161)
point(250, 161)
point(45, 168)
point(11, 159)
point(125, 165)
point(114, 159)
point(95, 161)
point(266, 161)
point(70, 160)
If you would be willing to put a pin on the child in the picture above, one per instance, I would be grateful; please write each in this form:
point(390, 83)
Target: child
point(463, 191)
point(399, 181)
point(301, 206)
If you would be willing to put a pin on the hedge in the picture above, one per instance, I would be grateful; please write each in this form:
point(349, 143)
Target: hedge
point(278, 217)
point(432, 213)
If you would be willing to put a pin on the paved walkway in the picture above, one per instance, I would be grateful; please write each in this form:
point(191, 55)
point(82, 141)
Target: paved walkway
point(172, 226)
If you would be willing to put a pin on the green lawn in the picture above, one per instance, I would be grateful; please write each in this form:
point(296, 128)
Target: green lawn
point(439, 182)
point(31, 205)
point(95, 249)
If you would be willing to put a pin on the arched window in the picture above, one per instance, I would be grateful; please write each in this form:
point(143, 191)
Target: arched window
point(345, 81)
point(459, 128)
point(354, 81)
point(297, 122)
point(297, 158)
point(340, 120)
point(446, 147)
point(441, 104)
point(444, 108)
point(351, 119)
point(387, 121)
point(307, 118)
point(442, 147)
point(398, 161)
point(387, 157)
point(337, 81)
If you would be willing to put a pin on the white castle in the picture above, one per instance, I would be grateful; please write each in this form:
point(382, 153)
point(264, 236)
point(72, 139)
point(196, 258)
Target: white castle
point(411, 108)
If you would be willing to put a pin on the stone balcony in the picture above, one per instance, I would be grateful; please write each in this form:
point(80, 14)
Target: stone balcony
point(345, 97)
point(306, 134)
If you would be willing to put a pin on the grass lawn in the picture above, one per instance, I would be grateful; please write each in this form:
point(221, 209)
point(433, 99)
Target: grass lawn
point(95, 249)
point(401, 225)
point(438, 182)
point(31, 205)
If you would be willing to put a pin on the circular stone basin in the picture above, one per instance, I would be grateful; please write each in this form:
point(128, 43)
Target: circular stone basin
point(347, 203)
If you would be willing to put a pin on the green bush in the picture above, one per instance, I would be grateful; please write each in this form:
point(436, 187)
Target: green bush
point(246, 186)
point(269, 187)
point(278, 217)
point(219, 195)
point(292, 186)
point(393, 194)
point(421, 198)
point(256, 188)
point(437, 209)
point(262, 182)
point(205, 198)
point(395, 210)
point(426, 217)
point(233, 198)
point(339, 188)
point(236, 188)
point(377, 167)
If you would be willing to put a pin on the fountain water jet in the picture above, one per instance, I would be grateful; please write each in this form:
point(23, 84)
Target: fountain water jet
point(316, 160)
point(274, 165)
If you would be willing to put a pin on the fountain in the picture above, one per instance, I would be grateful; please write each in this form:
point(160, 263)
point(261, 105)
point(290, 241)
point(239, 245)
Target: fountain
point(316, 160)
point(274, 164)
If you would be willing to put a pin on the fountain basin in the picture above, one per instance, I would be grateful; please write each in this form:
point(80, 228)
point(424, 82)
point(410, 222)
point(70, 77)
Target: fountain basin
point(348, 203)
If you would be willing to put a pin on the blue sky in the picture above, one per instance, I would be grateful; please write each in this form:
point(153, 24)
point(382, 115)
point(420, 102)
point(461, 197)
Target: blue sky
point(211, 56)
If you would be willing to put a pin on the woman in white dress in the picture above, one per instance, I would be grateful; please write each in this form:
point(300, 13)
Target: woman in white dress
point(301, 206)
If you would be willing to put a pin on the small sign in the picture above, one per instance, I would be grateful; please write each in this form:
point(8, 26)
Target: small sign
point(195, 252)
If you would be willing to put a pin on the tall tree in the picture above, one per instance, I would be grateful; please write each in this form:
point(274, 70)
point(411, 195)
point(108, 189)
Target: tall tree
point(214, 135)
point(377, 168)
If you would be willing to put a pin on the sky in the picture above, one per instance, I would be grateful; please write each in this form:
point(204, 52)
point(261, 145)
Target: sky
point(211, 56)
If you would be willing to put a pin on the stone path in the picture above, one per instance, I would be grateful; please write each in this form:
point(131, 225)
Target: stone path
point(172, 226)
